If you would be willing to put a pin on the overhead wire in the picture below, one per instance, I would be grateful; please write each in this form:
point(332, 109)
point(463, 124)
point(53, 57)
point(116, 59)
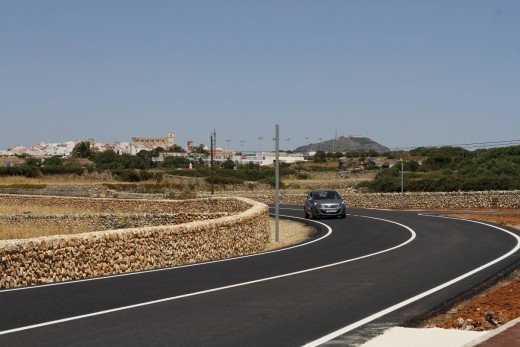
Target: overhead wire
point(474, 145)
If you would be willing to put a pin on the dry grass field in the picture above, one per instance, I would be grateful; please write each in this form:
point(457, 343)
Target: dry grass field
point(55, 180)
point(24, 231)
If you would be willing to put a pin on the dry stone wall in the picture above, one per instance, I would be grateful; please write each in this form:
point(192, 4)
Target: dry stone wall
point(82, 223)
point(241, 227)
point(439, 200)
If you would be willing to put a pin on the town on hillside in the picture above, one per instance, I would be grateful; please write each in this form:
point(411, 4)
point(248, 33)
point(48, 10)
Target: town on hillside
point(44, 150)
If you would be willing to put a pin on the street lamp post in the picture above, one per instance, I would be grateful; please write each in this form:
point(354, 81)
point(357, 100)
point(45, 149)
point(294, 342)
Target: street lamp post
point(260, 138)
point(277, 183)
point(402, 184)
point(242, 150)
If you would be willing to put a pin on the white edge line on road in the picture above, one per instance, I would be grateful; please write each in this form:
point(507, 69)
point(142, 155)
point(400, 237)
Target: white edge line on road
point(219, 288)
point(173, 268)
point(390, 309)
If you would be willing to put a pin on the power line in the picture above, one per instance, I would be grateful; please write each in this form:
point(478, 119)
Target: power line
point(474, 145)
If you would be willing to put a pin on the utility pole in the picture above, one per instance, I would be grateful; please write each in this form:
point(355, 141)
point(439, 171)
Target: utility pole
point(402, 184)
point(260, 138)
point(215, 138)
point(212, 139)
point(334, 143)
point(277, 184)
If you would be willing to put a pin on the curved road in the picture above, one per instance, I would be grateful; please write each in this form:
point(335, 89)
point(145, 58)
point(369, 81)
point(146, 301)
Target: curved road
point(364, 273)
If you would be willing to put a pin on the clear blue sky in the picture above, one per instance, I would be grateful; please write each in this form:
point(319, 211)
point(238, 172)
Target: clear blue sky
point(404, 73)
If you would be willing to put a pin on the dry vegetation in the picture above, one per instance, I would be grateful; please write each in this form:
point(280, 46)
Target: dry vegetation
point(7, 209)
point(56, 180)
point(24, 231)
point(64, 180)
point(35, 229)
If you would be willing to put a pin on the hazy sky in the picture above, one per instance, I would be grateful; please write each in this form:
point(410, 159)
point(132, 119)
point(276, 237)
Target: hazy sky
point(404, 73)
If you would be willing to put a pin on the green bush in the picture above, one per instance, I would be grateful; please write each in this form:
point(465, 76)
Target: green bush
point(24, 170)
point(222, 180)
point(62, 170)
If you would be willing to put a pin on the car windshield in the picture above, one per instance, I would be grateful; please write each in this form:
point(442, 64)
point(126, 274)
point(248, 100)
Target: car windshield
point(326, 195)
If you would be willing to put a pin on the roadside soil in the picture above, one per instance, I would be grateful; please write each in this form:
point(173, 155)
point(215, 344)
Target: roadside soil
point(487, 310)
point(290, 233)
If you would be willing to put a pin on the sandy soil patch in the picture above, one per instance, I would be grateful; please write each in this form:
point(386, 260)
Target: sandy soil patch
point(290, 233)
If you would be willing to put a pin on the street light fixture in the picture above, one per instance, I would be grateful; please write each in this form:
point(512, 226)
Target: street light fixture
point(260, 138)
point(402, 184)
point(242, 150)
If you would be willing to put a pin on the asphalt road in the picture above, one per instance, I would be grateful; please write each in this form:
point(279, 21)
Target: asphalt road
point(372, 269)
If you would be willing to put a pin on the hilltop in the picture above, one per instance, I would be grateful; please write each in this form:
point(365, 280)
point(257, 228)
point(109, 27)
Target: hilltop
point(344, 144)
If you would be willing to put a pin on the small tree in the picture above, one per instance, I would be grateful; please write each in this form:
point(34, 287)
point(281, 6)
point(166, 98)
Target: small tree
point(200, 149)
point(32, 161)
point(228, 164)
point(83, 149)
point(176, 149)
point(320, 157)
point(55, 160)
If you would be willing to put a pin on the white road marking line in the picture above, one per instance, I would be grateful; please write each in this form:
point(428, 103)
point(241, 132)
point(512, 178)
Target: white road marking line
point(390, 309)
point(93, 314)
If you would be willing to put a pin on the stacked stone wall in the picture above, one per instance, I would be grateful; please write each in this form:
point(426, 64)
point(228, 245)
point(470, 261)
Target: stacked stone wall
point(243, 229)
point(126, 205)
point(438, 200)
point(83, 222)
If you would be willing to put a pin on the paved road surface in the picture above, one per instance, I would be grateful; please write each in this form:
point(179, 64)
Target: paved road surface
point(361, 265)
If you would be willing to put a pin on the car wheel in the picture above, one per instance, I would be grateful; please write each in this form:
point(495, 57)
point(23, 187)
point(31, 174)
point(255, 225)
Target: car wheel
point(306, 215)
point(343, 216)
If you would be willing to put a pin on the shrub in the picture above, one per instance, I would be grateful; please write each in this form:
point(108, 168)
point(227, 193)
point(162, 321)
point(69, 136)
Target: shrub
point(221, 180)
point(24, 170)
point(62, 170)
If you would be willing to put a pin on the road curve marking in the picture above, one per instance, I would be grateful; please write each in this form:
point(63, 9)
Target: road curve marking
point(148, 303)
point(390, 309)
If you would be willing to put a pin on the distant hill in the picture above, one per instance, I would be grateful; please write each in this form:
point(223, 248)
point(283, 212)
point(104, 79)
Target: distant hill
point(344, 144)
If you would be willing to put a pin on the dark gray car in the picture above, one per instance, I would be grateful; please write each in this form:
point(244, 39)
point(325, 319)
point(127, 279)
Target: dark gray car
point(324, 203)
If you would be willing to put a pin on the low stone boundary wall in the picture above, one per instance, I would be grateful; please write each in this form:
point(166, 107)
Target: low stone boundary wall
point(82, 223)
point(67, 257)
point(103, 205)
point(439, 200)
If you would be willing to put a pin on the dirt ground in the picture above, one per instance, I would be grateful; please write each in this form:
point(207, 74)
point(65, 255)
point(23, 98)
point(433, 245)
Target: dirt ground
point(495, 306)
point(290, 233)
